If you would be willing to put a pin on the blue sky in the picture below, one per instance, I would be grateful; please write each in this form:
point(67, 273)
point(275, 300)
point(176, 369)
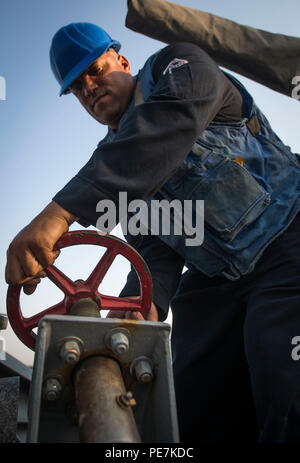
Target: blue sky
point(46, 139)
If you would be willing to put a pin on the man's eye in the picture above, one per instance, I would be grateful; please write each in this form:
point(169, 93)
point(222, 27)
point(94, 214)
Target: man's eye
point(95, 71)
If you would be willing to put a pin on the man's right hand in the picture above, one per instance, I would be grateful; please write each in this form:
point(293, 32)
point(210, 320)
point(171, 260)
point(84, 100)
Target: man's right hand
point(32, 249)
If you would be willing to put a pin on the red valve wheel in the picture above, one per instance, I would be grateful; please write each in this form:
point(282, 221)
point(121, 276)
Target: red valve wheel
point(74, 291)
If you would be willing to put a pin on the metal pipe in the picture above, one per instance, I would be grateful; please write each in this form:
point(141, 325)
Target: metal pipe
point(85, 307)
point(101, 419)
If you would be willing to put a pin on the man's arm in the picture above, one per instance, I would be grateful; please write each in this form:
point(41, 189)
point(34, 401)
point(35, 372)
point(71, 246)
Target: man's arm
point(149, 146)
point(32, 249)
point(156, 137)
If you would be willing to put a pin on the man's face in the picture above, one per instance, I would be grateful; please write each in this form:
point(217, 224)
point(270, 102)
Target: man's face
point(105, 88)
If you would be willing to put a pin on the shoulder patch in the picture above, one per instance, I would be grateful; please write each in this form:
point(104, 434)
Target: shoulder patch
point(174, 64)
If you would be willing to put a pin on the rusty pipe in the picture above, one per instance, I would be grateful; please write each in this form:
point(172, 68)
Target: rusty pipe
point(85, 307)
point(98, 384)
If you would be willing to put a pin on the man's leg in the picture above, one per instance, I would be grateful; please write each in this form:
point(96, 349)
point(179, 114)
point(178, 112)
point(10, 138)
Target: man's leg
point(272, 321)
point(214, 398)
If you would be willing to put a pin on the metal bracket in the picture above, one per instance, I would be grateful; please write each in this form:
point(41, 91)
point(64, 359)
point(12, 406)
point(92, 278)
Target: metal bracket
point(155, 410)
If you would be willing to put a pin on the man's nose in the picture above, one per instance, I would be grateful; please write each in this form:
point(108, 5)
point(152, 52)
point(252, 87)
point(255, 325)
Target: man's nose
point(89, 84)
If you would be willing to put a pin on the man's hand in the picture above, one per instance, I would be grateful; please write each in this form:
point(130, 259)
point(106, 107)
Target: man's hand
point(152, 314)
point(32, 249)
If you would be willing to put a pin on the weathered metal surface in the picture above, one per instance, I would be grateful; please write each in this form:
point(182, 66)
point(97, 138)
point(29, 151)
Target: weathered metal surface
point(12, 367)
point(9, 396)
point(126, 400)
point(85, 307)
point(74, 291)
point(98, 383)
point(155, 410)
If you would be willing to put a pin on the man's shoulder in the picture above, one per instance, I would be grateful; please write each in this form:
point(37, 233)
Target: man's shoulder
point(180, 51)
point(107, 137)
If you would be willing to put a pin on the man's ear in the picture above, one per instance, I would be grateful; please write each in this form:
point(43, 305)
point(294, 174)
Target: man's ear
point(124, 63)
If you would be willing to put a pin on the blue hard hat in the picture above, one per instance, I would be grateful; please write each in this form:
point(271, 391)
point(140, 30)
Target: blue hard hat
point(74, 48)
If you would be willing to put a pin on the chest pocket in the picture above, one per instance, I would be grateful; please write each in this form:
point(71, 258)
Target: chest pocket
point(232, 197)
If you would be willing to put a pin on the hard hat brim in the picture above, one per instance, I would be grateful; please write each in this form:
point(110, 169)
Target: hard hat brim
point(82, 65)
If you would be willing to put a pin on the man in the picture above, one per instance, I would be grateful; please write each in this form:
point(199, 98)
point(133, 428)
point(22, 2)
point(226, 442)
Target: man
point(185, 130)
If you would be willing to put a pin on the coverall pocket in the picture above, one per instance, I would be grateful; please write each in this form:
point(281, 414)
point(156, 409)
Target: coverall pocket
point(232, 198)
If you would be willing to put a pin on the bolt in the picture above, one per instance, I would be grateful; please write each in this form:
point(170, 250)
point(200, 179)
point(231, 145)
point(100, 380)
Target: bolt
point(52, 389)
point(142, 367)
point(126, 400)
point(117, 340)
point(70, 351)
point(119, 343)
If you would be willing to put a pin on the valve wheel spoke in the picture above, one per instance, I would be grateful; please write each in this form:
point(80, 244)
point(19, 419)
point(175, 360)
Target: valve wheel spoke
point(99, 272)
point(58, 309)
point(117, 303)
point(60, 280)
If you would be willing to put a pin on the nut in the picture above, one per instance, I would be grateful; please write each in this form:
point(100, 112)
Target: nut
point(52, 389)
point(119, 343)
point(142, 368)
point(70, 351)
point(126, 400)
point(117, 340)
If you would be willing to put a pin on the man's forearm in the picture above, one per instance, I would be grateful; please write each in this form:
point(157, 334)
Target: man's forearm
point(32, 249)
point(56, 210)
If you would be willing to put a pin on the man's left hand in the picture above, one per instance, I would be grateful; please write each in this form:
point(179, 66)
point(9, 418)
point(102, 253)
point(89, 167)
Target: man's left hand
point(151, 316)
